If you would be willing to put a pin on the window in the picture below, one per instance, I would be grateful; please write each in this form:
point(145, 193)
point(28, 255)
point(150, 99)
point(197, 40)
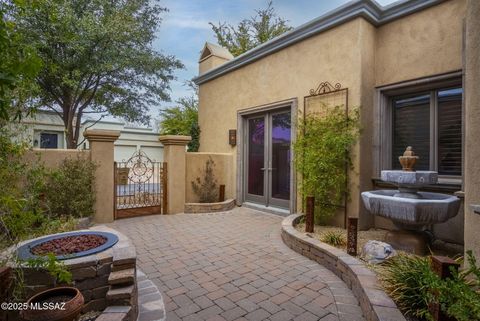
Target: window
point(430, 122)
point(48, 140)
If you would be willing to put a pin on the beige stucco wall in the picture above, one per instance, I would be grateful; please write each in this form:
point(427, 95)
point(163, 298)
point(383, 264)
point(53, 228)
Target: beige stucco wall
point(426, 43)
point(223, 171)
point(472, 127)
point(355, 54)
point(210, 63)
point(289, 73)
point(52, 158)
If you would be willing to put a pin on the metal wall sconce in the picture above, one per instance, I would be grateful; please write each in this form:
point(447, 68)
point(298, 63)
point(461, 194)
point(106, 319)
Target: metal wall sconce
point(232, 137)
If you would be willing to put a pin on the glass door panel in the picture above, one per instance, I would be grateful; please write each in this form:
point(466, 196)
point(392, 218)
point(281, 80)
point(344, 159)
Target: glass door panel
point(256, 159)
point(279, 159)
point(268, 159)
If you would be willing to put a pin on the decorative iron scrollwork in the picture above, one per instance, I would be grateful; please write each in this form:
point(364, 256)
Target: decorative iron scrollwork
point(325, 88)
point(141, 167)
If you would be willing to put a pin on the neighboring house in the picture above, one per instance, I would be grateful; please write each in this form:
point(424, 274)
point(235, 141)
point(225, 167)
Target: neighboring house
point(46, 130)
point(403, 68)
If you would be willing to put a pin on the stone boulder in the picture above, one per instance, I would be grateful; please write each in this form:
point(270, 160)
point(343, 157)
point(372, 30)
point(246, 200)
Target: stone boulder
point(375, 252)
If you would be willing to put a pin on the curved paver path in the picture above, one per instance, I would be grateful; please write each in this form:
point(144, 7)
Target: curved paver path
point(234, 266)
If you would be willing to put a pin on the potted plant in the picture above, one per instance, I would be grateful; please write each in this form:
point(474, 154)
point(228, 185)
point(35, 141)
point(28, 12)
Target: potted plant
point(62, 303)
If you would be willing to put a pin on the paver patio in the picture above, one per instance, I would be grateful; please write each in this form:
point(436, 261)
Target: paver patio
point(234, 266)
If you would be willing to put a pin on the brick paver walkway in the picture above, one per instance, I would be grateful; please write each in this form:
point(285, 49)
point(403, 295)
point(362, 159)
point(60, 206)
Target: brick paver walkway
point(234, 266)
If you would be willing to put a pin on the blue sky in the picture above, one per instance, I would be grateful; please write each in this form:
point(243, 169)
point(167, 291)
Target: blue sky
point(185, 27)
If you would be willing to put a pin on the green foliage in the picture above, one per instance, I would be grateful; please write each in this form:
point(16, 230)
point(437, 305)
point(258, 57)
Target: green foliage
point(459, 296)
point(55, 268)
point(35, 201)
point(69, 190)
point(182, 120)
point(19, 64)
point(322, 155)
point(249, 33)
point(206, 188)
point(408, 280)
point(97, 58)
point(411, 283)
point(334, 238)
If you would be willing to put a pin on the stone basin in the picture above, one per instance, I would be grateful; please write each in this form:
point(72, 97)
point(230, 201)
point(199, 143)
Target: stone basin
point(412, 213)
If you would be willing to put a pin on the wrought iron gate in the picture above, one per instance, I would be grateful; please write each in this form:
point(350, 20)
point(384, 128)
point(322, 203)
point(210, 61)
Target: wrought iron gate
point(140, 186)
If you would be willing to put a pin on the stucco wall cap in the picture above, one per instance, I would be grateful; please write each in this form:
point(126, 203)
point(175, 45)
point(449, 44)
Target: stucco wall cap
point(101, 135)
point(174, 140)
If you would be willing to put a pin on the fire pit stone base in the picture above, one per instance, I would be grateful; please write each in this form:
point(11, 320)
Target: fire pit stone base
point(106, 279)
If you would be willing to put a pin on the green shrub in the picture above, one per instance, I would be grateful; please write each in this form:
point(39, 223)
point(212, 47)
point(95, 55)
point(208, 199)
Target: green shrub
point(69, 189)
point(322, 155)
point(334, 238)
point(206, 187)
point(411, 283)
point(35, 201)
point(408, 280)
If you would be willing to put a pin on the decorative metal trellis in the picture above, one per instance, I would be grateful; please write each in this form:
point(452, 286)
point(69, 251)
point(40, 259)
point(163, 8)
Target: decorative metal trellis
point(326, 95)
point(140, 186)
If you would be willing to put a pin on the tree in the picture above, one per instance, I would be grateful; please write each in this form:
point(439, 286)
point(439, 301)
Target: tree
point(18, 66)
point(97, 58)
point(182, 120)
point(249, 33)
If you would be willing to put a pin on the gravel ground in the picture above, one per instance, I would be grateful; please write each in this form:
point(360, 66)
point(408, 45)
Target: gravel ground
point(363, 236)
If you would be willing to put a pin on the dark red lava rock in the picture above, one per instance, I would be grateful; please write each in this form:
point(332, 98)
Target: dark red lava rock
point(69, 244)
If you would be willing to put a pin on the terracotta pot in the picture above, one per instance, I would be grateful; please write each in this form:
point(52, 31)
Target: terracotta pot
point(72, 307)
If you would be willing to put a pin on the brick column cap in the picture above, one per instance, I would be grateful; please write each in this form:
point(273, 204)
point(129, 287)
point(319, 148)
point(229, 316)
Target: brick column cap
point(101, 135)
point(174, 140)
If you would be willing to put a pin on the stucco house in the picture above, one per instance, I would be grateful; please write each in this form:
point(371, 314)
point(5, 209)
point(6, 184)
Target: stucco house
point(45, 129)
point(403, 66)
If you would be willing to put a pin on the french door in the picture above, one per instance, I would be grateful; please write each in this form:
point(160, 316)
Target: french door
point(268, 159)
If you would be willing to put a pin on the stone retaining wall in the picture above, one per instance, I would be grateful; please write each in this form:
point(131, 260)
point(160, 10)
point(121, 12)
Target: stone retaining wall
point(375, 303)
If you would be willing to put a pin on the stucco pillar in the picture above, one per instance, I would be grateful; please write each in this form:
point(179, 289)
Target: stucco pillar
point(101, 153)
point(174, 153)
point(472, 127)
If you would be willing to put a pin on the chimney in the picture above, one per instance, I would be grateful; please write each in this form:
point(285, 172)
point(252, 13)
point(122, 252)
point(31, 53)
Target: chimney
point(212, 56)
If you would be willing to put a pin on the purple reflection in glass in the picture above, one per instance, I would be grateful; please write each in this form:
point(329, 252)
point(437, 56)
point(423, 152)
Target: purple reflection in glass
point(256, 144)
point(281, 138)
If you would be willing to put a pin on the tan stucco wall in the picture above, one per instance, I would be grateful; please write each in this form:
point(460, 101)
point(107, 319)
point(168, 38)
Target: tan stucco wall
point(52, 158)
point(289, 73)
point(355, 54)
point(428, 42)
point(472, 127)
point(223, 171)
point(210, 63)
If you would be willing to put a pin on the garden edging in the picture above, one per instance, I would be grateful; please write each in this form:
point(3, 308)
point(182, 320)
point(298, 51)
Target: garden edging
point(193, 208)
point(375, 303)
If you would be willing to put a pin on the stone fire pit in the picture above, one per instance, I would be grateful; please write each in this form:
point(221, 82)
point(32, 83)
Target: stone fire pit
point(105, 274)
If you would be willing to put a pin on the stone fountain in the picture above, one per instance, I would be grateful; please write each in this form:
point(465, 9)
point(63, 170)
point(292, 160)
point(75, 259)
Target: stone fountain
point(410, 210)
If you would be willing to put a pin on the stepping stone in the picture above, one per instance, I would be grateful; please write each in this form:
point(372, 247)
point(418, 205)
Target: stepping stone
point(122, 277)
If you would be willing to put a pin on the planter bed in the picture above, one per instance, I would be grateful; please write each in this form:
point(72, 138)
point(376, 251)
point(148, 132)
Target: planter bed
point(375, 303)
point(209, 207)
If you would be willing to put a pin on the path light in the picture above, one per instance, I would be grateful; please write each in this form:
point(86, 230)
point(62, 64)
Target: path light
point(352, 236)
